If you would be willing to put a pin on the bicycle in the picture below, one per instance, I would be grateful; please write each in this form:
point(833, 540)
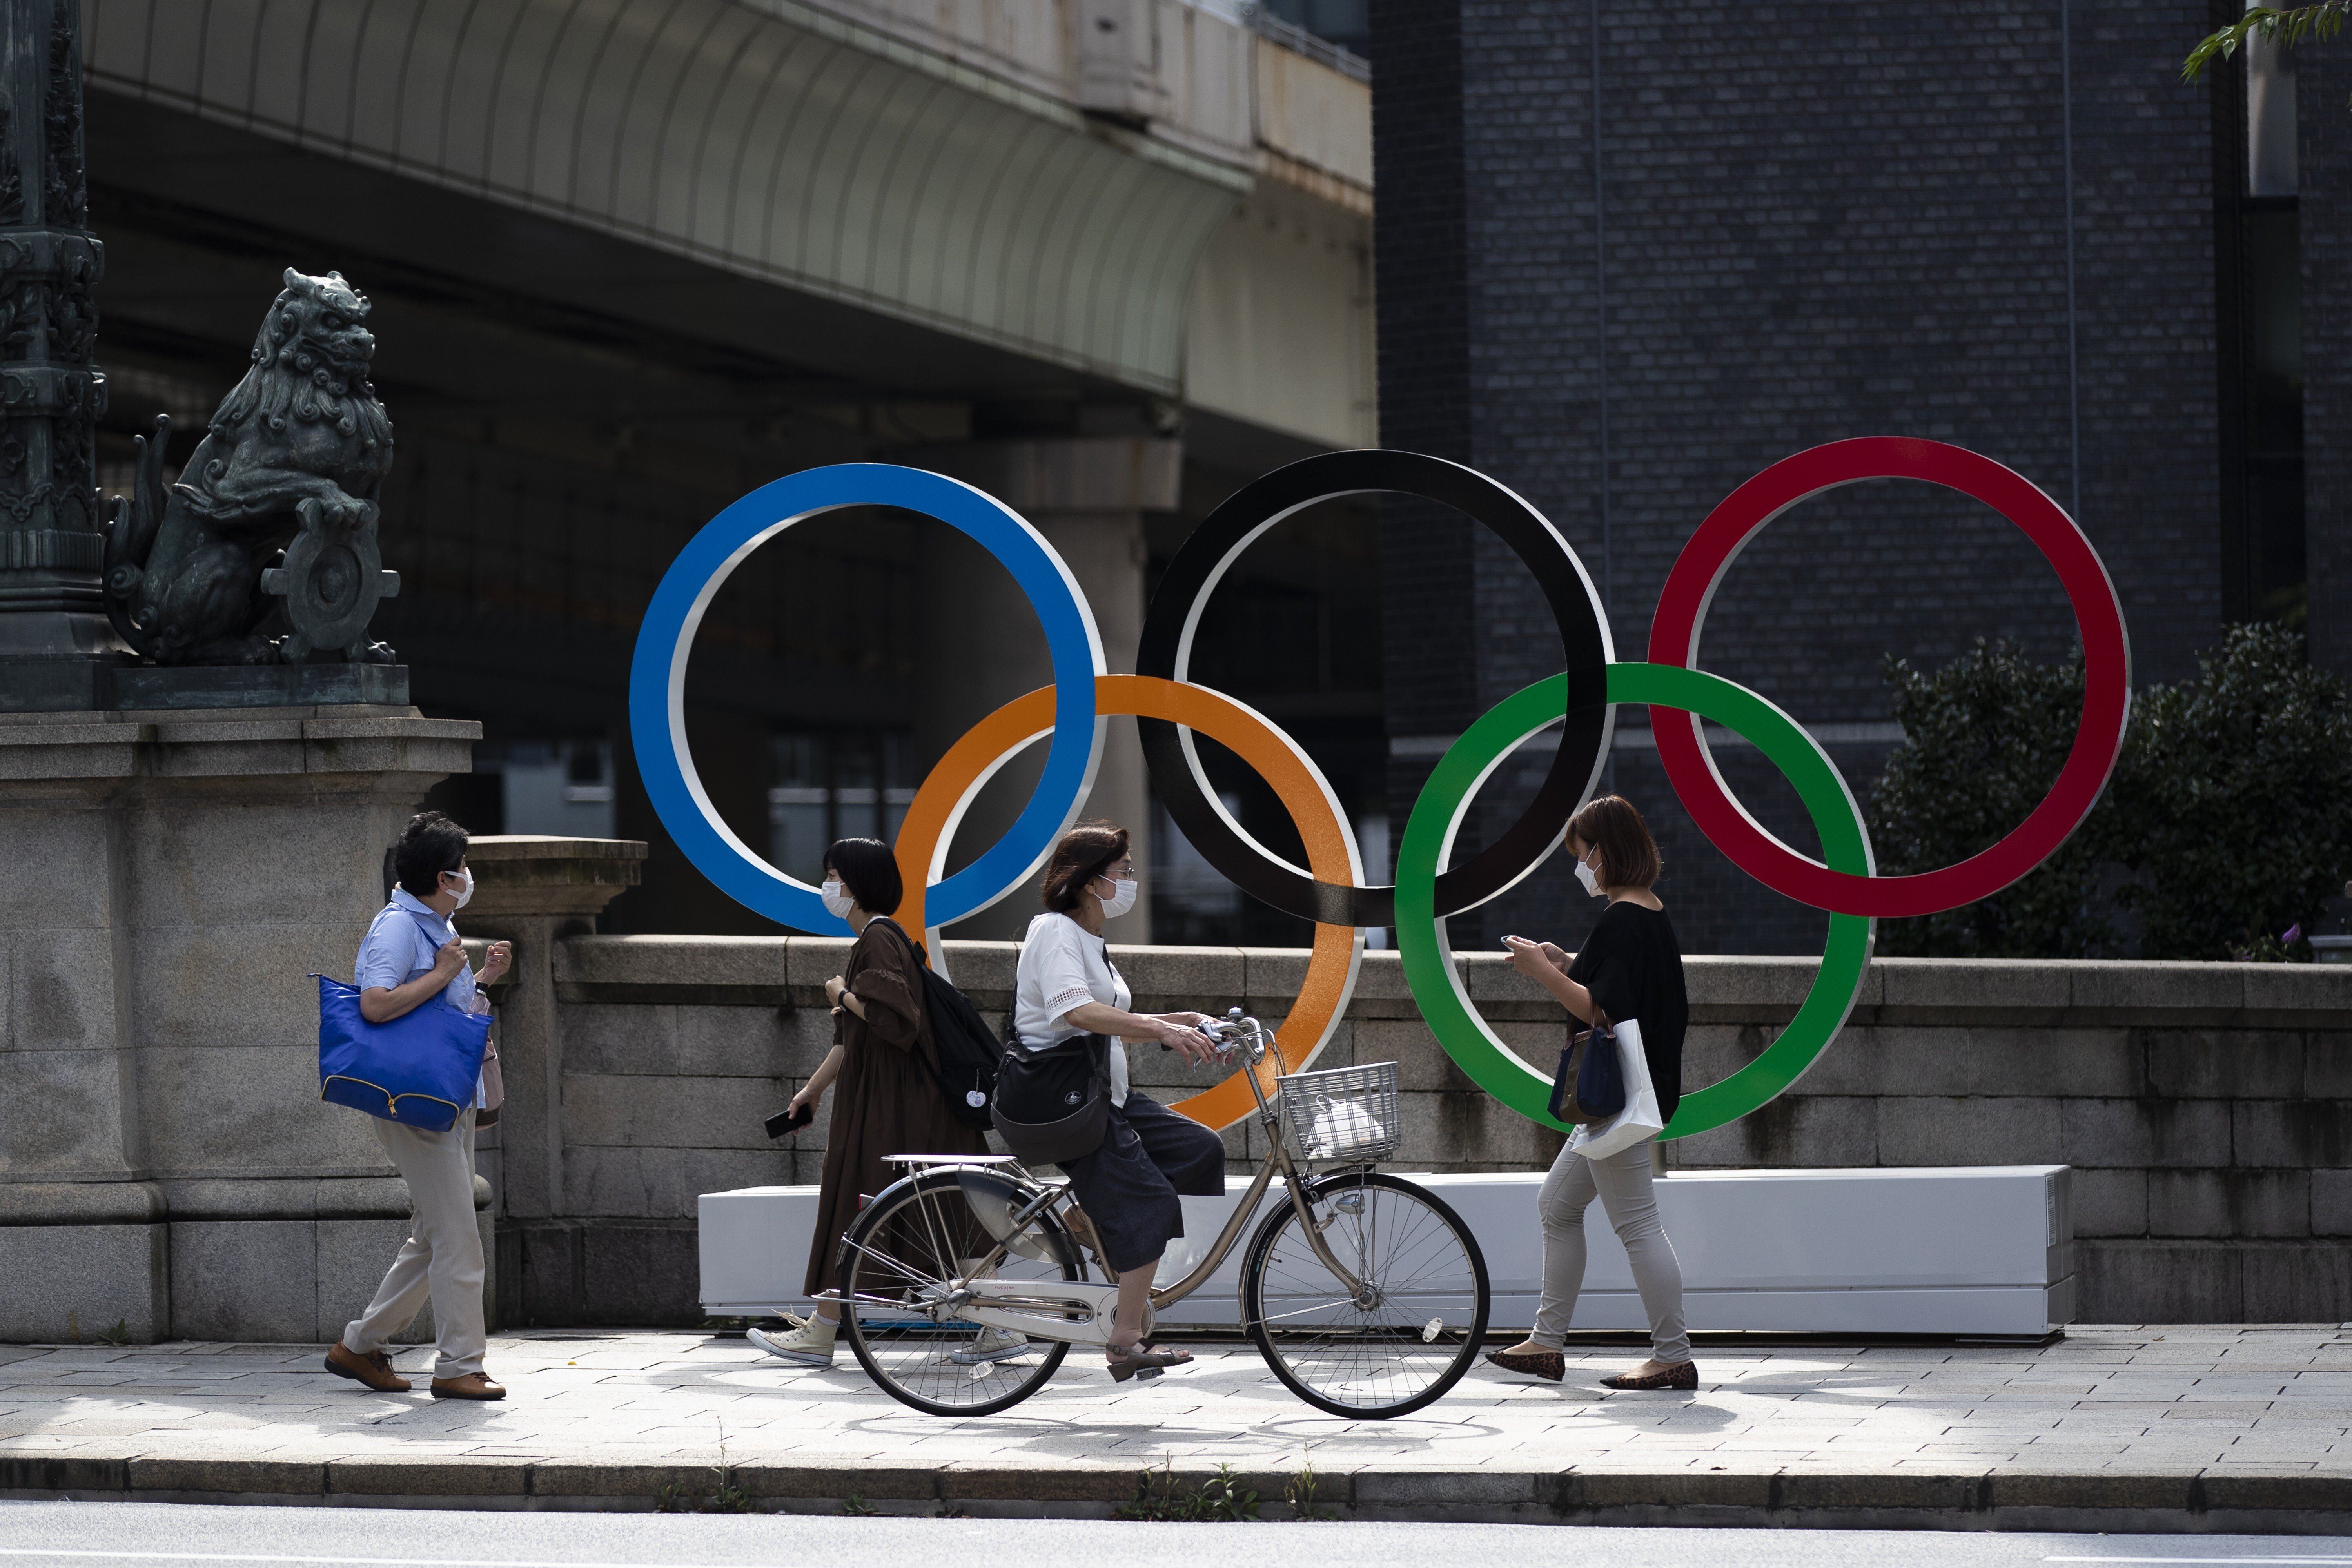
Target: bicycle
point(1365, 1292)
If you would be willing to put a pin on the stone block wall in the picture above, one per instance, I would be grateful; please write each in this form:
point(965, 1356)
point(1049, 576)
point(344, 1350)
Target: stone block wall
point(170, 882)
point(2207, 1109)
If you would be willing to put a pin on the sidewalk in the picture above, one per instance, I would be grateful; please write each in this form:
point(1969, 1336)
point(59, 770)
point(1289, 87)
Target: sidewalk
point(2113, 1428)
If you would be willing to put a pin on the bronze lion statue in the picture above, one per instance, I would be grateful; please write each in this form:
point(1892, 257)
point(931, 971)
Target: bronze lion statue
point(302, 443)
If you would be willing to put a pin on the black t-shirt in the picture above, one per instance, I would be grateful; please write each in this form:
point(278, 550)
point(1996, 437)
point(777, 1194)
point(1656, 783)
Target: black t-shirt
point(1634, 967)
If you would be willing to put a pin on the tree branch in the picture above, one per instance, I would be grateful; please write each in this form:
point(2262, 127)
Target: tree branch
point(2289, 30)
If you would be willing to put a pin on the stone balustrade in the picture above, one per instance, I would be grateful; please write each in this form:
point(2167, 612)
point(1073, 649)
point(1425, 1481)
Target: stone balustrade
point(164, 1161)
point(2207, 1108)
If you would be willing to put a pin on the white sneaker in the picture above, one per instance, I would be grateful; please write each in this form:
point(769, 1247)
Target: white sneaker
point(811, 1344)
point(993, 1344)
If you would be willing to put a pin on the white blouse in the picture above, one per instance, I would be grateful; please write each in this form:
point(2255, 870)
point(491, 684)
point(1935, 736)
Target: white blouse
point(1065, 965)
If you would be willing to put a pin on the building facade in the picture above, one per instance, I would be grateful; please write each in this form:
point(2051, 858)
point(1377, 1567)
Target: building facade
point(1631, 257)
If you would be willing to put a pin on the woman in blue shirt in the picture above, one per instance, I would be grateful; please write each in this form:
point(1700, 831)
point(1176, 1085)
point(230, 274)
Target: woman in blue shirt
point(412, 954)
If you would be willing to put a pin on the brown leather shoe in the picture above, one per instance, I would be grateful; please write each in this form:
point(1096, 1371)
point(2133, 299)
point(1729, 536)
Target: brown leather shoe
point(376, 1371)
point(473, 1386)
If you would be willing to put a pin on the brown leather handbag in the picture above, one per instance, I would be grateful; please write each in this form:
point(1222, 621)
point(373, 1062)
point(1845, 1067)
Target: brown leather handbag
point(494, 1089)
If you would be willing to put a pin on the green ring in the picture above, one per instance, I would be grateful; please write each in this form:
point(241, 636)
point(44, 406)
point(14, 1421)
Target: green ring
point(1428, 842)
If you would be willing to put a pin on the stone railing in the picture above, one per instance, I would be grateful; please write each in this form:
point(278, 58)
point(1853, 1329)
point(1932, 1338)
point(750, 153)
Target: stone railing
point(2207, 1108)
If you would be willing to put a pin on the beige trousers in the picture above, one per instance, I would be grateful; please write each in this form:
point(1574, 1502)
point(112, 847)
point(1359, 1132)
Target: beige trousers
point(442, 1260)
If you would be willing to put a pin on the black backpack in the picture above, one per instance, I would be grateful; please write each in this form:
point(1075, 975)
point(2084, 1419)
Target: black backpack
point(968, 1052)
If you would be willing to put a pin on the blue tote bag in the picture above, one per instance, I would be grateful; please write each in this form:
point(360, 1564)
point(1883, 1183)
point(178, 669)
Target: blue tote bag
point(419, 1070)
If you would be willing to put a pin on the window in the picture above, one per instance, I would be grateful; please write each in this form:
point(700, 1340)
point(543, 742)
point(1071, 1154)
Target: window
point(2271, 168)
point(563, 788)
point(2259, 287)
point(836, 783)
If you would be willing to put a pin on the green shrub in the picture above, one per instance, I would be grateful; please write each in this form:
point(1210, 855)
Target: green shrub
point(1983, 738)
point(2233, 803)
point(2228, 821)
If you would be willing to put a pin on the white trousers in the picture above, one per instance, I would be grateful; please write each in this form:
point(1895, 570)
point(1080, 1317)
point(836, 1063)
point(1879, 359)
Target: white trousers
point(442, 1260)
point(1621, 1182)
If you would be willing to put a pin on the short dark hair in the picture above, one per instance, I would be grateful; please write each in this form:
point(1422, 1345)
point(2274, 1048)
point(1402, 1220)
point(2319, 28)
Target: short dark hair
point(430, 845)
point(1083, 854)
point(1629, 855)
point(868, 872)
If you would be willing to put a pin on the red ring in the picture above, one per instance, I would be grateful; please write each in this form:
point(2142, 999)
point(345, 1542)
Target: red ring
point(2098, 616)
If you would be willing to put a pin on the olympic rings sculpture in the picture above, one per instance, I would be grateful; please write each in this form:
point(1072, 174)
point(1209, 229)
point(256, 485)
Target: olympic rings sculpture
point(1331, 889)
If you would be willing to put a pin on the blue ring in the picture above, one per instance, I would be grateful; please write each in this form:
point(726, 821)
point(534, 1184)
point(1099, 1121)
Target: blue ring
point(657, 684)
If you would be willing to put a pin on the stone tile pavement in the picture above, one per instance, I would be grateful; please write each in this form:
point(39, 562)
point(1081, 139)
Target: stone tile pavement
point(2111, 1428)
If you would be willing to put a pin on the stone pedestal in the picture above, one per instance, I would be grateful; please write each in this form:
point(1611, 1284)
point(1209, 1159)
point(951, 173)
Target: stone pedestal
point(534, 891)
point(171, 880)
point(141, 686)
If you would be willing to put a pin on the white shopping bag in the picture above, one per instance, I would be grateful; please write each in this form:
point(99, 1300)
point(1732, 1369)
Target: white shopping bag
point(1640, 1119)
point(1340, 1129)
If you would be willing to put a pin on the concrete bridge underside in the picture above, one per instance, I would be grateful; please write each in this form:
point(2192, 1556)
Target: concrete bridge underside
point(632, 257)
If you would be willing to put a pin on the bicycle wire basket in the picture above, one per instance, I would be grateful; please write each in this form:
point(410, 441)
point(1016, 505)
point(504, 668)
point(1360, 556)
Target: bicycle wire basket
point(1345, 1116)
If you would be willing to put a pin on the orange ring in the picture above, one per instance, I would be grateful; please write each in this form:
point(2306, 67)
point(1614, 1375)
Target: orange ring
point(946, 793)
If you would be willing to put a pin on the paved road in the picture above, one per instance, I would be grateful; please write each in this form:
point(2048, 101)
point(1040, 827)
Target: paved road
point(161, 1535)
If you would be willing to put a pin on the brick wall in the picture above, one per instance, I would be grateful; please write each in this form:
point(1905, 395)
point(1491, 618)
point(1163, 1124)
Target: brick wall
point(1807, 225)
point(2207, 1109)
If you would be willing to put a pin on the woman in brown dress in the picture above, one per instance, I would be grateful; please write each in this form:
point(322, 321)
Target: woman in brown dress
point(885, 1101)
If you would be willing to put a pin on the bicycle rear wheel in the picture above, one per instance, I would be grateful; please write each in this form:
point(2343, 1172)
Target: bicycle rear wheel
point(1400, 1341)
point(897, 1259)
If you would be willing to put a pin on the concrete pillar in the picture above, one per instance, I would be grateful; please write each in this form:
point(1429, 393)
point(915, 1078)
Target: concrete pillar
point(171, 882)
point(1087, 497)
point(533, 891)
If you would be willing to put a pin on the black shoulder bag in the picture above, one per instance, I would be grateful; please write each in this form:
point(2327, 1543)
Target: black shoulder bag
point(1053, 1106)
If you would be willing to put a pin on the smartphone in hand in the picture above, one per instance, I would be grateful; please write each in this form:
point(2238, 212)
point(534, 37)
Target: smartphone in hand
point(788, 1121)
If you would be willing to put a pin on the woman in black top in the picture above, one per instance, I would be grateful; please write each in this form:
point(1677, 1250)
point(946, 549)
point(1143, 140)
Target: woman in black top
point(1631, 968)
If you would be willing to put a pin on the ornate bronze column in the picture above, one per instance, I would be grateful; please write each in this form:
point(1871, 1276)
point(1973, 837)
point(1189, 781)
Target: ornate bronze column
point(55, 640)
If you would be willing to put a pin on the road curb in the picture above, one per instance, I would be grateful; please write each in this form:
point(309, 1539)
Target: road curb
point(2188, 1501)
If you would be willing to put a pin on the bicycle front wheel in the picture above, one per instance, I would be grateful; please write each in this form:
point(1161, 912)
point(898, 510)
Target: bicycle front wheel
point(1402, 1337)
point(899, 1258)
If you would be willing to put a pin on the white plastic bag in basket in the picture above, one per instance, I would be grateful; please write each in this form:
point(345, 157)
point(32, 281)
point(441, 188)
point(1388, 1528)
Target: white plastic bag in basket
point(1340, 1127)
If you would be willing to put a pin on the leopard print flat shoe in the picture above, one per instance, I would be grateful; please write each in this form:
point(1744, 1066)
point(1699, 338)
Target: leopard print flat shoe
point(1550, 1366)
point(1682, 1374)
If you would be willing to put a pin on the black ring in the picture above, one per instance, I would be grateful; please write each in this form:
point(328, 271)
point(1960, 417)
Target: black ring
point(1249, 511)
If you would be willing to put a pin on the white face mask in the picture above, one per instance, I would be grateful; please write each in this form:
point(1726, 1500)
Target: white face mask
point(1122, 898)
point(837, 901)
point(466, 896)
point(1584, 874)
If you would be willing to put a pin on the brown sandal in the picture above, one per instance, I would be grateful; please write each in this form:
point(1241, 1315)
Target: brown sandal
point(1138, 1360)
point(1549, 1365)
point(1682, 1374)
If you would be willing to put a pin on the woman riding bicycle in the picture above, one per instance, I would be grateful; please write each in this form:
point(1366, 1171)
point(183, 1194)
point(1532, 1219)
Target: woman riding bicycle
point(1129, 1188)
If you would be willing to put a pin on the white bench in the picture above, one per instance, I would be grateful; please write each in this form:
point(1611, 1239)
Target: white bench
point(1962, 1251)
